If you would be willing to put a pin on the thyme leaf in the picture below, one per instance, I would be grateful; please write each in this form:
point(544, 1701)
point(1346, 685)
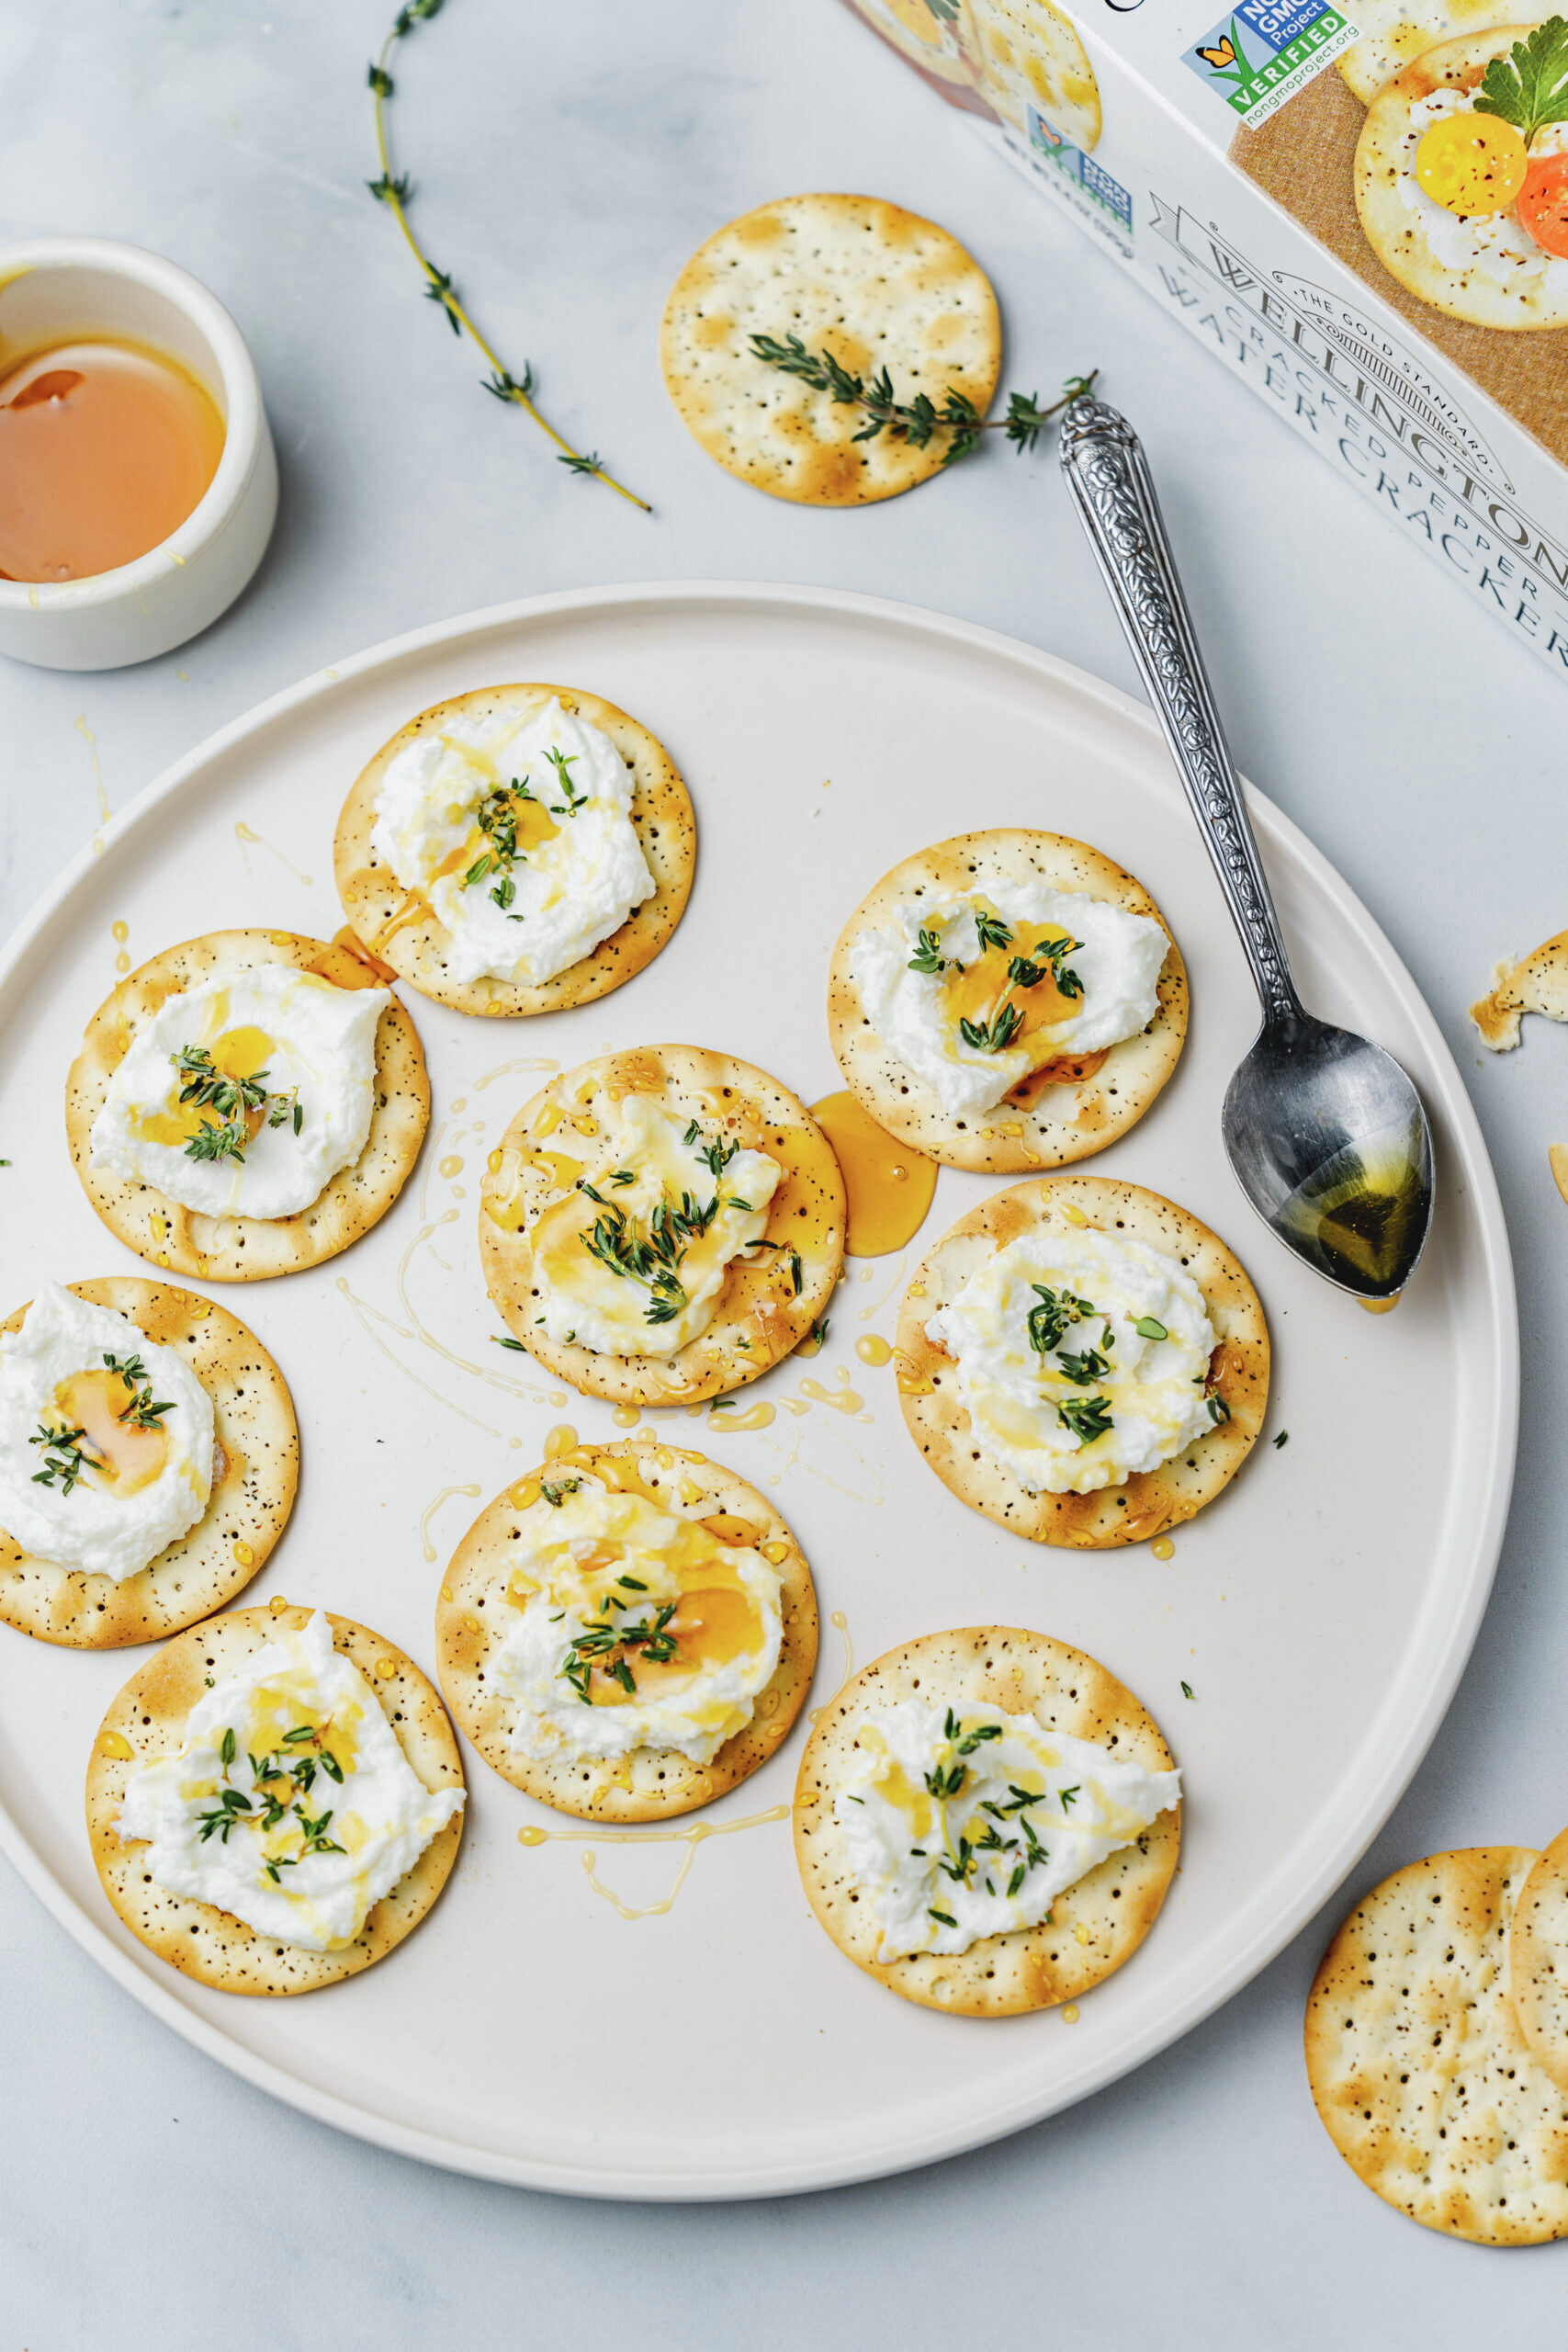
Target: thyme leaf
point(921, 420)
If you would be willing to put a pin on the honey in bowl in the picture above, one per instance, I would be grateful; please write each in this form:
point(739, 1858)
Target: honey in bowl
point(105, 449)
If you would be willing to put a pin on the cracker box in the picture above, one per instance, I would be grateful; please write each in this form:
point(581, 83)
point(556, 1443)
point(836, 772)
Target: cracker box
point(1365, 215)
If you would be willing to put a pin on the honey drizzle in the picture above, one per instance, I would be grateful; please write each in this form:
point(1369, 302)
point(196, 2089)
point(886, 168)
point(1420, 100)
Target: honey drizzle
point(365, 1315)
point(428, 1513)
point(697, 1835)
point(83, 728)
point(840, 1626)
point(246, 840)
point(491, 1377)
point(505, 1070)
point(867, 1312)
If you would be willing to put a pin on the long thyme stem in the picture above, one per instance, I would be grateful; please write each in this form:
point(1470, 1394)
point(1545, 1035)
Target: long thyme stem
point(394, 193)
point(919, 420)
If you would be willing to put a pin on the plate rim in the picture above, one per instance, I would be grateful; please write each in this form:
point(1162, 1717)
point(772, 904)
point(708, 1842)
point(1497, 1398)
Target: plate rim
point(797, 2175)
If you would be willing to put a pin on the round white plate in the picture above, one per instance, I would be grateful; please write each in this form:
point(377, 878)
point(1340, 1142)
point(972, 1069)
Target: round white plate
point(1321, 1612)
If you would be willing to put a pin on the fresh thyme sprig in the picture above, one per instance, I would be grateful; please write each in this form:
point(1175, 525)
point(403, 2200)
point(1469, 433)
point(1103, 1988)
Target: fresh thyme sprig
point(64, 1458)
point(920, 420)
point(1048, 1322)
point(235, 1101)
point(562, 762)
point(610, 1646)
point(291, 1769)
point(928, 958)
point(993, 1036)
point(140, 1412)
point(1087, 1416)
point(654, 1257)
point(395, 191)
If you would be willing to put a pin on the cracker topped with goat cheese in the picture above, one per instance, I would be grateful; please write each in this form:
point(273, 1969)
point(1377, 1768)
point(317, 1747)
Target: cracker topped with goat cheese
point(1007, 1001)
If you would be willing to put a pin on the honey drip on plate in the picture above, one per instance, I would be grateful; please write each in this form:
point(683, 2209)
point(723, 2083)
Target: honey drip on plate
point(840, 1626)
point(843, 1399)
point(697, 1835)
point(889, 1186)
point(248, 840)
point(755, 1417)
point(872, 1349)
point(428, 1513)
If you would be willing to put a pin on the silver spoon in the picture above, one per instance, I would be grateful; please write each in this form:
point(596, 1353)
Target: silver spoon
point(1325, 1131)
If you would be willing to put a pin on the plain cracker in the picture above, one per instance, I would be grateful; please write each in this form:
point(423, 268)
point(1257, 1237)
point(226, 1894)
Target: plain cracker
point(257, 1473)
point(1114, 1904)
point(150, 1716)
point(1539, 983)
point(757, 1321)
point(661, 817)
point(1151, 1500)
point(470, 1621)
point(248, 1249)
point(1422, 2077)
point(873, 285)
point(1538, 1961)
point(1068, 1121)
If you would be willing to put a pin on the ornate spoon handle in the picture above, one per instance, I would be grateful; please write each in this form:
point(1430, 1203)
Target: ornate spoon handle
point(1109, 476)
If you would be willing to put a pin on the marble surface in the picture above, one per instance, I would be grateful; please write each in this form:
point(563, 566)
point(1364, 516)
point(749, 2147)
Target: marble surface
point(568, 161)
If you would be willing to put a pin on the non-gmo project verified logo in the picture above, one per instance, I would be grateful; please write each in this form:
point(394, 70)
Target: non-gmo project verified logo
point(1092, 178)
point(1262, 53)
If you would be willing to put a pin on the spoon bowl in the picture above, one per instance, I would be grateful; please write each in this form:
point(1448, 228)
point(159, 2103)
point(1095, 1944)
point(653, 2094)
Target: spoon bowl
point(1324, 1130)
point(1330, 1144)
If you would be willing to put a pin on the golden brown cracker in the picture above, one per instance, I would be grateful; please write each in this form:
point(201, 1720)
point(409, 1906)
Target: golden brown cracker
point(1095, 1100)
point(1114, 1906)
point(655, 1783)
point(1151, 1500)
point(149, 1718)
point(877, 287)
point(1422, 2077)
point(256, 1473)
point(759, 1316)
point(398, 926)
point(248, 1249)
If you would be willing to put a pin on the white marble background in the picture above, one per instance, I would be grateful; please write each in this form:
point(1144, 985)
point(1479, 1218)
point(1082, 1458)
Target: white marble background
point(568, 159)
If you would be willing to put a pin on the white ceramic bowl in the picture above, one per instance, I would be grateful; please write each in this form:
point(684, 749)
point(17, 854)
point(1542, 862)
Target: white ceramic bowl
point(63, 288)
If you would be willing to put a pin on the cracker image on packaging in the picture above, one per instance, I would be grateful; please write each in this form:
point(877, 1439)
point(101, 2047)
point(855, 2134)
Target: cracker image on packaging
point(876, 286)
point(246, 1104)
point(1027, 54)
point(517, 849)
point(926, 37)
point(1007, 1001)
point(661, 1224)
point(1083, 1361)
point(627, 1632)
point(171, 1498)
point(229, 1764)
point(1394, 33)
point(1422, 2076)
point(988, 1774)
point(1466, 207)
